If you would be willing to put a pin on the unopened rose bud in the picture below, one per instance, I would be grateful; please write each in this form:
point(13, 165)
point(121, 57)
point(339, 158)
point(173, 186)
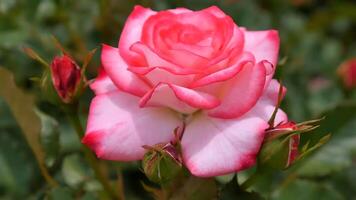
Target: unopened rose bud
point(347, 73)
point(161, 163)
point(280, 129)
point(281, 145)
point(280, 148)
point(66, 77)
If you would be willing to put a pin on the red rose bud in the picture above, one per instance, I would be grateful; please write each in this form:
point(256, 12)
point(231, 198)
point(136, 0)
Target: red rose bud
point(66, 77)
point(281, 146)
point(347, 73)
point(161, 163)
point(293, 151)
point(280, 129)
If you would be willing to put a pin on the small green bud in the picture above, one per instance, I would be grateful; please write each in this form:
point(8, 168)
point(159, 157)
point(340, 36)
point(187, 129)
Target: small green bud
point(161, 163)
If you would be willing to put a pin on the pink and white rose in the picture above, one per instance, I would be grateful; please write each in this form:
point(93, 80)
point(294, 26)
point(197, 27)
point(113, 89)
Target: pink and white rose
point(196, 67)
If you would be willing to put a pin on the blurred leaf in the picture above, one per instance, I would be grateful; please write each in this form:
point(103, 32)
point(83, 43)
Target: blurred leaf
point(157, 193)
point(32, 54)
point(335, 119)
point(232, 191)
point(60, 193)
point(225, 178)
point(73, 171)
point(196, 189)
point(87, 60)
point(22, 105)
point(49, 137)
point(333, 157)
point(59, 46)
point(18, 169)
point(69, 141)
point(304, 189)
point(11, 39)
point(307, 149)
point(345, 181)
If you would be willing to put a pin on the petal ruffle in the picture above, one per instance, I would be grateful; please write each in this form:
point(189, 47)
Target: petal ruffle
point(116, 69)
point(224, 74)
point(117, 128)
point(131, 34)
point(264, 45)
point(178, 98)
point(102, 83)
point(241, 92)
point(162, 74)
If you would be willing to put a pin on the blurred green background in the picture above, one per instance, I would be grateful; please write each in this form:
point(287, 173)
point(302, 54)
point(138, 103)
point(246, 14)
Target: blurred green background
point(316, 37)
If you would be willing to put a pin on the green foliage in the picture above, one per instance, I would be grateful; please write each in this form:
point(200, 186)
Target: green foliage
point(233, 190)
point(316, 36)
point(304, 189)
point(18, 167)
point(49, 138)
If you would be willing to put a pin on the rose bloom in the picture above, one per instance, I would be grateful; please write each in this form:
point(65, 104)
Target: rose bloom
point(347, 73)
point(196, 67)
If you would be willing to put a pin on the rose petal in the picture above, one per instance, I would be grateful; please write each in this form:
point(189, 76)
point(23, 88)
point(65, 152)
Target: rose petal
point(216, 11)
point(293, 149)
point(179, 10)
point(116, 69)
point(131, 34)
point(165, 75)
point(267, 103)
point(152, 59)
point(117, 128)
point(224, 74)
point(163, 31)
point(264, 45)
point(186, 59)
point(242, 92)
point(178, 98)
point(231, 50)
point(102, 83)
point(213, 147)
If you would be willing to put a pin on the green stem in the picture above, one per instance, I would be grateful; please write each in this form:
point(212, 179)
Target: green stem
point(120, 184)
point(93, 162)
point(250, 181)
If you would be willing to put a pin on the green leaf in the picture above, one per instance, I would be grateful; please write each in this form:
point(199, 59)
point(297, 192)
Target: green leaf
point(334, 156)
point(337, 154)
point(32, 54)
point(87, 60)
point(49, 137)
point(196, 189)
point(60, 193)
point(18, 167)
point(225, 178)
point(335, 119)
point(304, 189)
point(233, 191)
point(73, 171)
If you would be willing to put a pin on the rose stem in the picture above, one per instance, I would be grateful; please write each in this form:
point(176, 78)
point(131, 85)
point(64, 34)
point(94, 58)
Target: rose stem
point(120, 184)
point(73, 117)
